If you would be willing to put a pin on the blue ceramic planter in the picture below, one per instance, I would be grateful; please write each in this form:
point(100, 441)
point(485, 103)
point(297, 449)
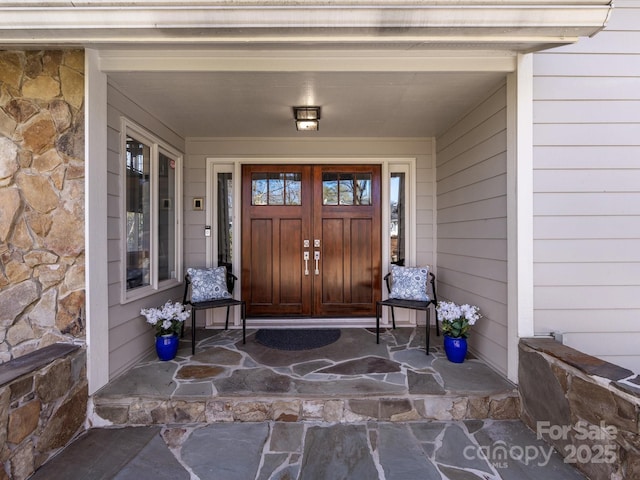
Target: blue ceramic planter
point(167, 347)
point(455, 348)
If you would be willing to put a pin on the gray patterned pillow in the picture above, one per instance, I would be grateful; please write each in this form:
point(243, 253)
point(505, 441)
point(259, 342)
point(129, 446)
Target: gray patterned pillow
point(409, 283)
point(208, 284)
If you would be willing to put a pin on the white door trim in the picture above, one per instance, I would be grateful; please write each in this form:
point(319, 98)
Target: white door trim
point(234, 164)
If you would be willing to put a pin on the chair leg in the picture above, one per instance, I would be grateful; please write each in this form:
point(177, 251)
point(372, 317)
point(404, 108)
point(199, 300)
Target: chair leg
point(193, 331)
point(226, 323)
point(378, 309)
point(437, 325)
point(428, 329)
point(243, 313)
point(393, 318)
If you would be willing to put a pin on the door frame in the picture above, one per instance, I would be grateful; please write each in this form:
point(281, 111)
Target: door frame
point(215, 165)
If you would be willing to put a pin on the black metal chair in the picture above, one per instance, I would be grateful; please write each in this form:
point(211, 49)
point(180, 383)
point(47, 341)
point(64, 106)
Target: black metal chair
point(222, 302)
point(410, 304)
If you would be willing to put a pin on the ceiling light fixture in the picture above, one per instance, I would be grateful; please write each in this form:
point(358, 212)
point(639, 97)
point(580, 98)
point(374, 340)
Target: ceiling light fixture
point(307, 118)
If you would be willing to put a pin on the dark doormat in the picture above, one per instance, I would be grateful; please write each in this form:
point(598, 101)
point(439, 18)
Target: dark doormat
point(297, 339)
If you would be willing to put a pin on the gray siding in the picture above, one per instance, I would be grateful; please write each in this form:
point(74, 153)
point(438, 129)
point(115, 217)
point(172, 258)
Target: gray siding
point(471, 164)
point(130, 338)
point(587, 190)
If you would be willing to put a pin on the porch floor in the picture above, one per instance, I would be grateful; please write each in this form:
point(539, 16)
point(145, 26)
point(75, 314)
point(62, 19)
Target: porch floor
point(351, 410)
point(349, 380)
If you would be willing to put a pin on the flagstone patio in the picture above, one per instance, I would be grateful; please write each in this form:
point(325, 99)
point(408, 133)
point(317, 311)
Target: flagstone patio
point(350, 410)
point(456, 450)
point(351, 380)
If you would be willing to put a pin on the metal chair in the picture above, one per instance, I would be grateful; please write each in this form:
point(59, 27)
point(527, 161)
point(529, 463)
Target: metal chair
point(222, 302)
point(410, 304)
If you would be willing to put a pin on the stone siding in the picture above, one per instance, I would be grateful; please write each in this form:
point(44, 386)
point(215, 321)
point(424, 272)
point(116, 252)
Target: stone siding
point(588, 409)
point(43, 405)
point(42, 287)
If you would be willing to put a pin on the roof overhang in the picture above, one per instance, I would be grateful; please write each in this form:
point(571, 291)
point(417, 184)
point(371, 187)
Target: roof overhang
point(516, 25)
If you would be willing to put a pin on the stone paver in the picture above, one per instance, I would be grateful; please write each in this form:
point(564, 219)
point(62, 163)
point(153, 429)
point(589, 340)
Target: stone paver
point(101, 453)
point(338, 452)
point(225, 450)
point(517, 454)
point(472, 376)
point(153, 461)
point(313, 450)
point(401, 457)
point(154, 379)
point(362, 366)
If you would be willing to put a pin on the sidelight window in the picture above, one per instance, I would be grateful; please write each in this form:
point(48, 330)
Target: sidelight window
point(397, 218)
point(224, 219)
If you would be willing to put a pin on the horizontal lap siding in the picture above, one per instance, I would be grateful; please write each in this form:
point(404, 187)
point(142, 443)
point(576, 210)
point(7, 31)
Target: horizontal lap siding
point(587, 190)
point(472, 221)
point(130, 338)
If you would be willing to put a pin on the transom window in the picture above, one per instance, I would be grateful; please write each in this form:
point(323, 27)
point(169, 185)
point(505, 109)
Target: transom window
point(152, 233)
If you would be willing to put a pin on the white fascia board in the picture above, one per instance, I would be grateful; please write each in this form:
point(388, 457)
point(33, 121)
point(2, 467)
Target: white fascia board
point(567, 17)
point(282, 3)
point(130, 22)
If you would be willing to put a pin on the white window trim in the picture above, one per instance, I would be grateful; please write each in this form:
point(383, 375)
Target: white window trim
point(127, 127)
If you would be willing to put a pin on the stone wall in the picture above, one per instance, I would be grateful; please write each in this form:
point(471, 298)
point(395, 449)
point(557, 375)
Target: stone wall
point(588, 409)
point(43, 404)
point(42, 293)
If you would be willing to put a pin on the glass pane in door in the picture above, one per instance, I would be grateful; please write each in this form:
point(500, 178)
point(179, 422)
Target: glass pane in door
point(346, 188)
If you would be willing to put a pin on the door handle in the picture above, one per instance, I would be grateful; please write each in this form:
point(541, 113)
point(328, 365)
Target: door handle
point(305, 256)
point(316, 257)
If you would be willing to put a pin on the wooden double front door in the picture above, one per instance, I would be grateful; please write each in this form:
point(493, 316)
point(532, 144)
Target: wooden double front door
point(311, 240)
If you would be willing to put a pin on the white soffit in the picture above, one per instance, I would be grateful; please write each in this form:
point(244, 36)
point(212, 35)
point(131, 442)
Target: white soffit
point(519, 25)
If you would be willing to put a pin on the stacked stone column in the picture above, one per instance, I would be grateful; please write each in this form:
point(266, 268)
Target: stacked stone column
point(42, 291)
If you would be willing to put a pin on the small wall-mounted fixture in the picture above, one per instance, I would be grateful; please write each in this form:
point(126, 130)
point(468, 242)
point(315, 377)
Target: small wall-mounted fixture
point(307, 118)
point(198, 203)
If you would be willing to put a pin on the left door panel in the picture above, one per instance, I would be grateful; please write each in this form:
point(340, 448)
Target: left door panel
point(275, 223)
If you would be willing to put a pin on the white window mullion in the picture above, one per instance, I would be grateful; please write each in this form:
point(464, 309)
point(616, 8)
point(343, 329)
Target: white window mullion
point(178, 219)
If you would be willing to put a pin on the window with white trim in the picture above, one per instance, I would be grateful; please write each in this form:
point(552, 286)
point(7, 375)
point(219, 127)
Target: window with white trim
point(152, 233)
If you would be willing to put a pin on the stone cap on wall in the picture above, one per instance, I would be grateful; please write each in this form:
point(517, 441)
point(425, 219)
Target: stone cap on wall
point(621, 378)
point(33, 361)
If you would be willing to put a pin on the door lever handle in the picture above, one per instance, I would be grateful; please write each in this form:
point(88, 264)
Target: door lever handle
point(316, 257)
point(305, 256)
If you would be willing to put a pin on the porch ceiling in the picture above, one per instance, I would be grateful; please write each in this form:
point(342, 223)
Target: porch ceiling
point(354, 104)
